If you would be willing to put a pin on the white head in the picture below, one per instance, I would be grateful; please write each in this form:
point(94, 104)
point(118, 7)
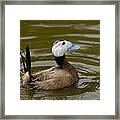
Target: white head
point(60, 47)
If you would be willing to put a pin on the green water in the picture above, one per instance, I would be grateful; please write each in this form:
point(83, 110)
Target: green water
point(40, 35)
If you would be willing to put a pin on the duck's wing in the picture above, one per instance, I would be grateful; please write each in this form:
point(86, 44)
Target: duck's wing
point(44, 75)
point(54, 83)
point(54, 79)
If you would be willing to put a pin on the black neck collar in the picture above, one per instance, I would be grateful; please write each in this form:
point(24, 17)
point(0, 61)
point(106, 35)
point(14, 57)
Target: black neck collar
point(61, 60)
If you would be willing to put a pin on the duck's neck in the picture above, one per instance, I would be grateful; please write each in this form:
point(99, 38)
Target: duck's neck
point(61, 61)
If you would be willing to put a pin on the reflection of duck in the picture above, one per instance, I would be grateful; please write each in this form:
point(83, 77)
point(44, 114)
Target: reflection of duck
point(60, 76)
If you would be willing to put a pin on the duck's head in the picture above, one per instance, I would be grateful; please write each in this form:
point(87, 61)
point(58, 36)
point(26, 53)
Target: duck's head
point(60, 47)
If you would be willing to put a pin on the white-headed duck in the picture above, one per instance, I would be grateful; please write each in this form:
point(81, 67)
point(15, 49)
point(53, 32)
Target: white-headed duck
point(60, 76)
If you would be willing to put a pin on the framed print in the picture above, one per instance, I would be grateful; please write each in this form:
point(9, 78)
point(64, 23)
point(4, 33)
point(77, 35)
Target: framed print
point(59, 59)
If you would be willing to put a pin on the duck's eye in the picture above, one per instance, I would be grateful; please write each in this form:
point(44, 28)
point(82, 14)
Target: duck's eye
point(63, 43)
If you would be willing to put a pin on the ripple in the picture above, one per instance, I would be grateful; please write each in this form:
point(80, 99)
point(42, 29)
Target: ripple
point(79, 26)
point(92, 67)
point(94, 27)
point(41, 54)
point(84, 46)
point(86, 70)
point(88, 42)
point(51, 25)
point(28, 37)
point(43, 63)
point(78, 35)
point(90, 60)
point(83, 56)
point(34, 50)
point(85, 26)
point(94, 94)
point(86, 55)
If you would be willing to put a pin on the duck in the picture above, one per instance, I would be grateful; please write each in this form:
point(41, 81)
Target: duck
point(62, 75)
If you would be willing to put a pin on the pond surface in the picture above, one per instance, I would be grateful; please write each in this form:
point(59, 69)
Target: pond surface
point(40, 35)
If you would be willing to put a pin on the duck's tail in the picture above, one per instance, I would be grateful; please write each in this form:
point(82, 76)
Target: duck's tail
point(26, 60)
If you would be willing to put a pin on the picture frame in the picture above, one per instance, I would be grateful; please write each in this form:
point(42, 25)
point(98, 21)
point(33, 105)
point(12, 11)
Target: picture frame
point(117, 56)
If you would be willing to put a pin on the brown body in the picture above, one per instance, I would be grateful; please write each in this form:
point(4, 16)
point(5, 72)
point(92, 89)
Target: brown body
point(54, 78)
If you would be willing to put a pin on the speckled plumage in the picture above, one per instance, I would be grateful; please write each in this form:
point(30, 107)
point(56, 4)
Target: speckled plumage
point(55, 78)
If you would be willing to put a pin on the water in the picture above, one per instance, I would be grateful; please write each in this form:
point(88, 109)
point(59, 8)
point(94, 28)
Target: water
point(40, 35)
